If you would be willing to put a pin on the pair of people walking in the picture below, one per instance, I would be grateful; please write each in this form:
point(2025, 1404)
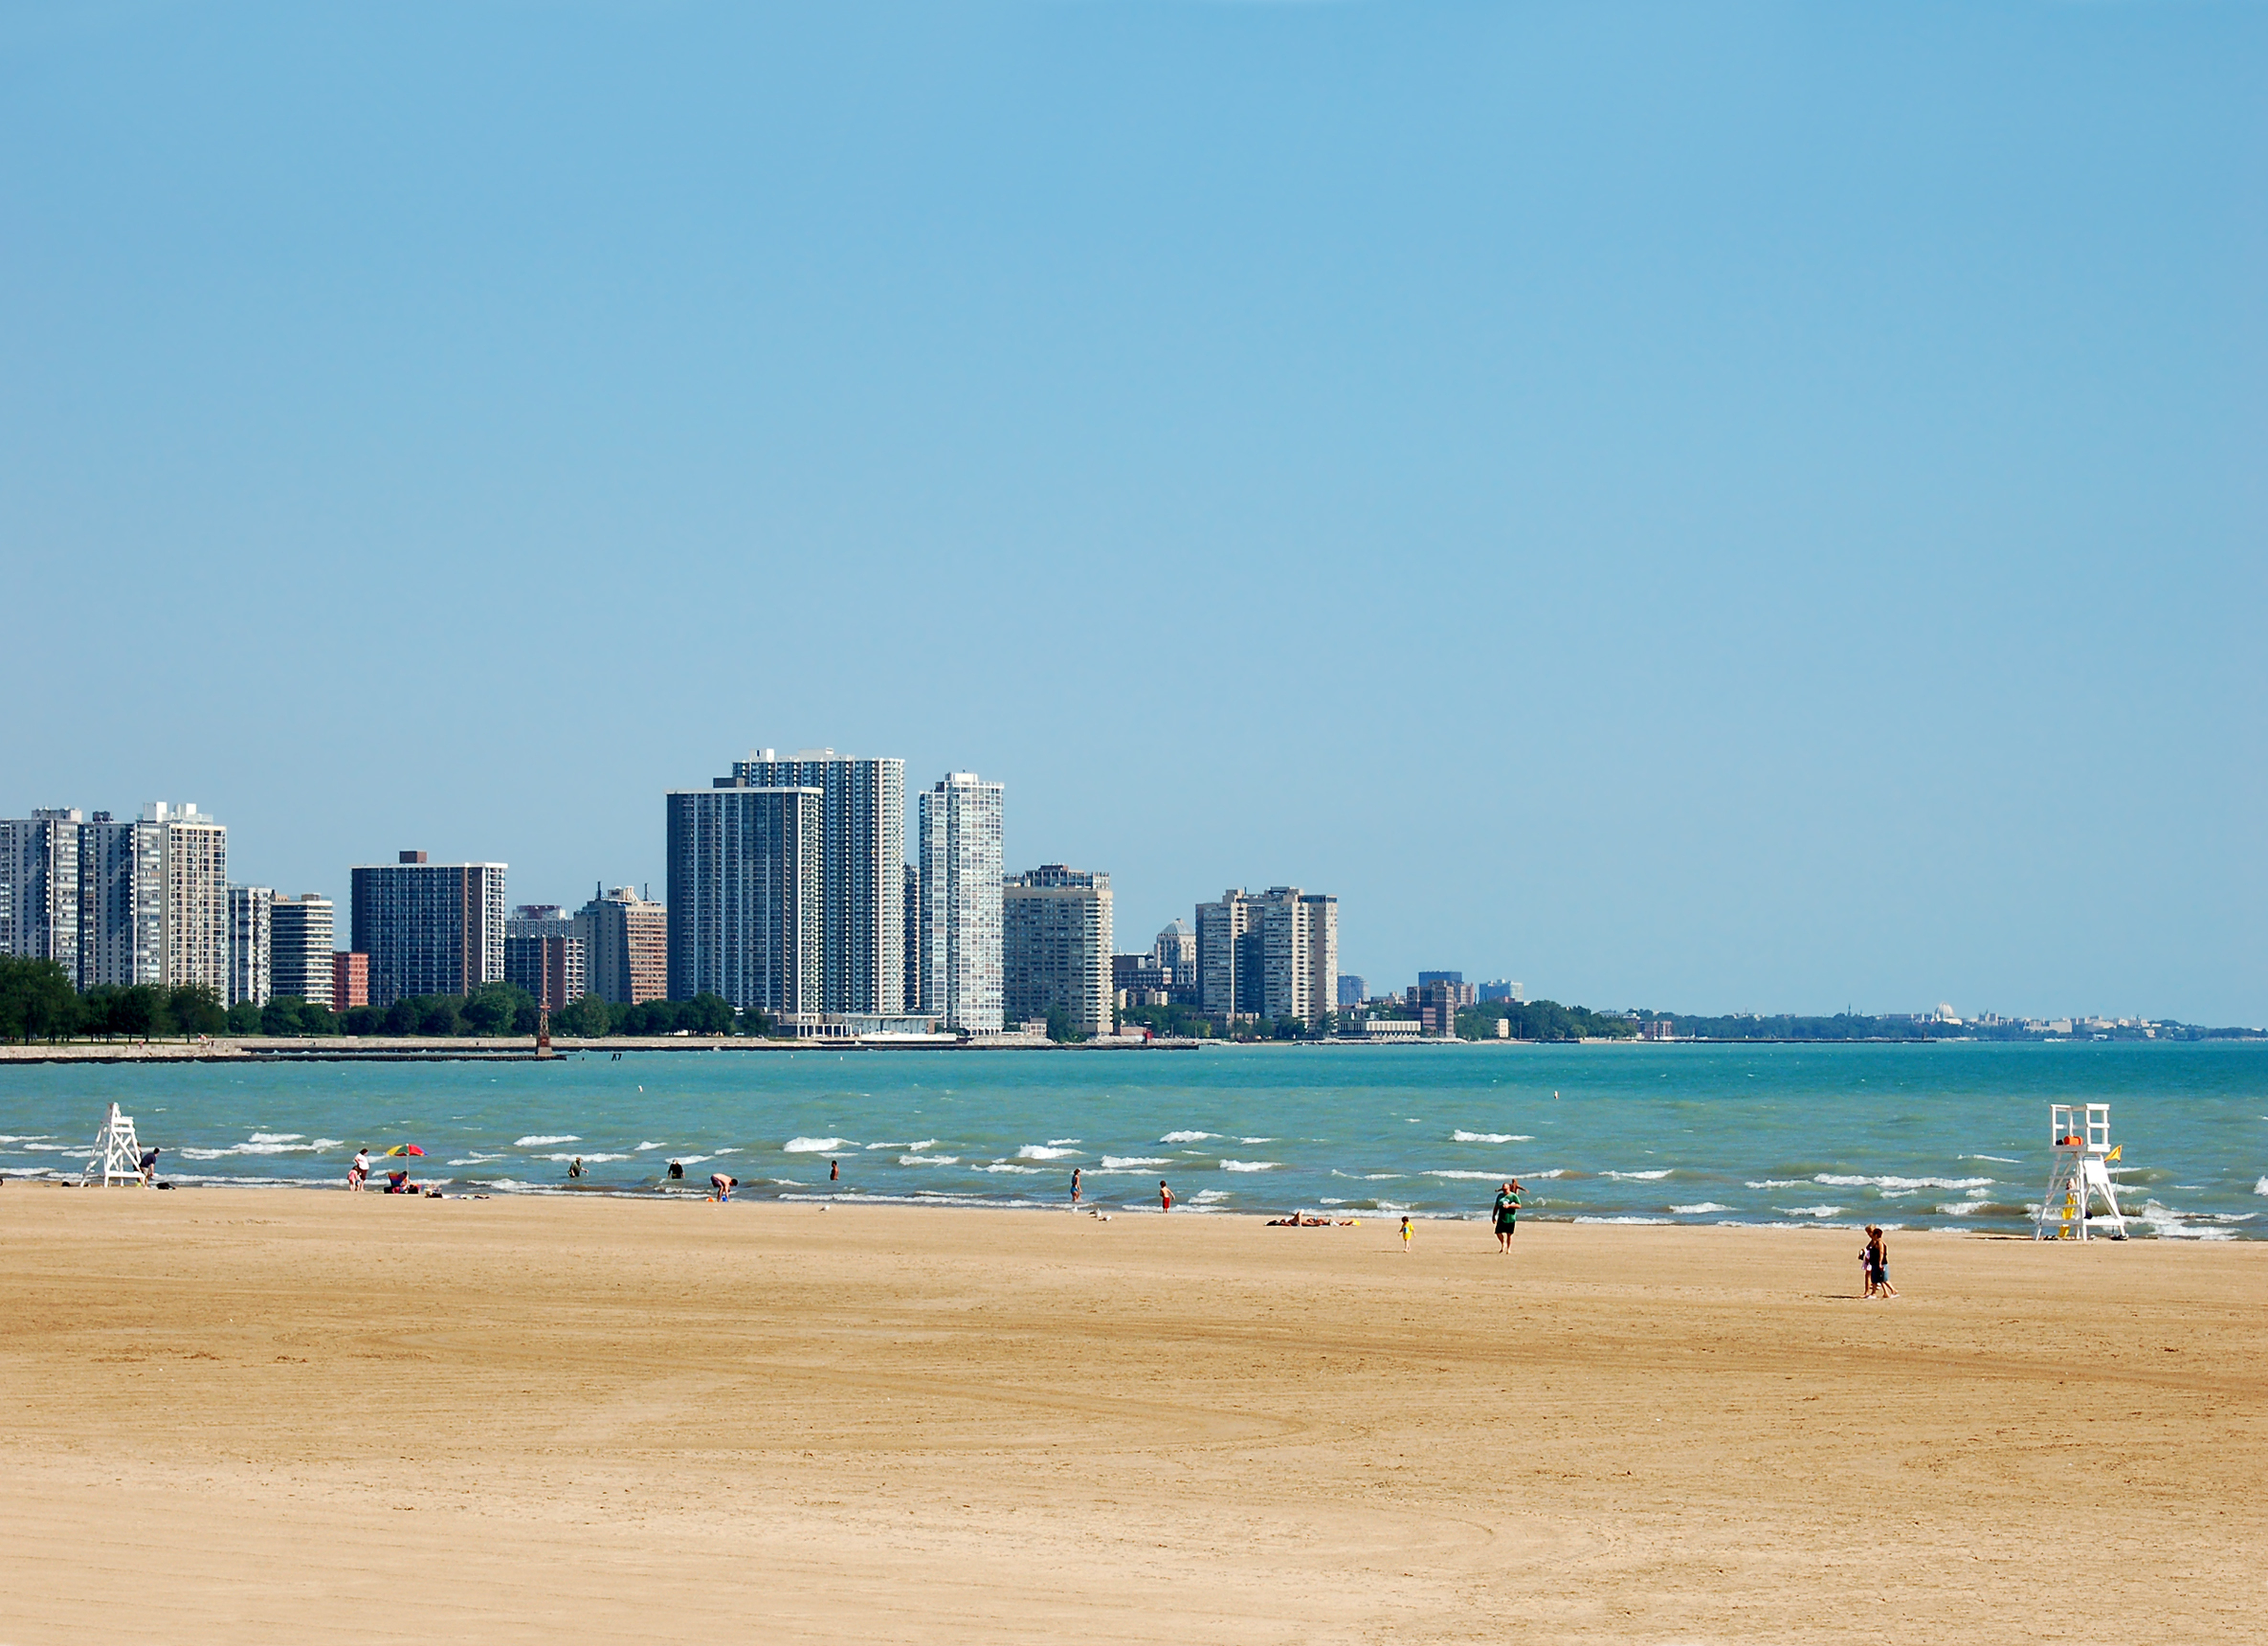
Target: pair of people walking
point(1507, 1214)
point(1875, 1264)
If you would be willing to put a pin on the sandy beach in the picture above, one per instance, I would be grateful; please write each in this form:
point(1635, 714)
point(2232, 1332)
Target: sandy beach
point(248, 1415)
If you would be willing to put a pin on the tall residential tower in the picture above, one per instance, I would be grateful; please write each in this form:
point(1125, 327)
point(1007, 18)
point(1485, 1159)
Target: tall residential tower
point(960, 936)
point(429, 928)
point(863, 826)
point(1055, 947)
point(747, 895)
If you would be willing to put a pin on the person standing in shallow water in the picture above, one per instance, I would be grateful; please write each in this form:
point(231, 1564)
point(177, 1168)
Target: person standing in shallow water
point(1074, 1186)
point(1165, 1196)
point(1507, 1214)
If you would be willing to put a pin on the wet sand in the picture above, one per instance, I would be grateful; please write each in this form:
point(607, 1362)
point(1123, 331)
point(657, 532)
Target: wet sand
point(278, 1415)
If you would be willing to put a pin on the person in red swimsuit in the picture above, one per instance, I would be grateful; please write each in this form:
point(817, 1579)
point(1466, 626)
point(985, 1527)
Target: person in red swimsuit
point(1165, 1196)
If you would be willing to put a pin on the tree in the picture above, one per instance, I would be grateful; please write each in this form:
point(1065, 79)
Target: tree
point(438, 1015)
point(244, 1017)
point(495, 1007)
point(585, 1019)
point(280, 1015)
point(196, 1009)
point(128, 1009)
point(707, 1014)
point(36, 998)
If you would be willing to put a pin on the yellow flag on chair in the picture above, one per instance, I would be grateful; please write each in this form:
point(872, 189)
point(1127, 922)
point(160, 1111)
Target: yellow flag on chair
point(2115, 1153)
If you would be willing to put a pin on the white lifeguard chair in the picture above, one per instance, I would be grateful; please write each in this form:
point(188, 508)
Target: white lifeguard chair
point(117, 1153)
point(2082, 1172)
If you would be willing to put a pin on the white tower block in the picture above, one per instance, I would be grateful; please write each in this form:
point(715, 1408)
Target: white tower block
point(117, 1156)
point(2082, 1172)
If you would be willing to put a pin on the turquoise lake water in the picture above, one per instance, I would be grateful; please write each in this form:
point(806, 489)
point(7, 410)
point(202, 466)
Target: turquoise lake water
point(1930, 1135)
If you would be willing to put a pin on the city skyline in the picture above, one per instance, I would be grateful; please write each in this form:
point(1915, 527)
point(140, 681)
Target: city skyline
point(1774, 487)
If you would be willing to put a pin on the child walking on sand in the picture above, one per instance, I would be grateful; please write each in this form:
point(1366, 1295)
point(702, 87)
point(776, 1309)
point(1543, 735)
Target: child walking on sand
point(1405, 1234)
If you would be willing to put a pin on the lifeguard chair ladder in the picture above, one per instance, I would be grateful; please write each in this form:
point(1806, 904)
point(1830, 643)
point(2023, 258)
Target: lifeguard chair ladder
point(2081, 1171)
point(117, 1155)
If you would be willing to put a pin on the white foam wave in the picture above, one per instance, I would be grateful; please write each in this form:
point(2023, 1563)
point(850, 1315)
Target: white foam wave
point(1058, 1143)
point(588, 1160)
point(260, 1143)
point(1207, 1196)
point(1622, 1220)
point(641, 1148)
point(1475, 1177)
point(1998, 1160)
point(1780, 1183)
point(1036, 1151)
point(544, 1139)
point(1187, 1137)
point(929, 1160)
point(2168, 1224)
point(1637, 1177)
point(1006, 1165)
point(2261, 1187)
point(1491, 1137)
point(1249, 1165)
point(1697, 1210)
point(1256, 1140)
point(1812, 1211)
point(278, 1138)
point(475, 1160)
point(816, 1145)
point(1131, 1163)
point(1960, 1208)
point(1840, 1181)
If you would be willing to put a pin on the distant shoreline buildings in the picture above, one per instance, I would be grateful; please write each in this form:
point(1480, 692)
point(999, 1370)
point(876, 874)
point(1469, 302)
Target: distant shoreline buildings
point(795, 889)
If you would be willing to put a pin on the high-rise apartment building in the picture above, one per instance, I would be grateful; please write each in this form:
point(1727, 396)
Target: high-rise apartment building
point(543, 954)
point(39, 888)
point(153, 899)
point(863, 826)
point(429, 928)
point(300, 932)
point(625, 947)
point(251, 952)
point(350, 979)
point(913, 987)
point(747, 896)
point(1352, 991)
point(1055, 947)
point(1272, 955)
point(960, 936)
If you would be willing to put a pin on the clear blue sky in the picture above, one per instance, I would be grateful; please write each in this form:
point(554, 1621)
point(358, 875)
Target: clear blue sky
point(1712, 507)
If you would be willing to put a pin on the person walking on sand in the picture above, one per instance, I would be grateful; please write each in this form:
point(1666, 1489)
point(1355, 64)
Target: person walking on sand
point(1405, 1234)
point(1165, 1196)
point(1866, 1264)
point(1878, 1253)
point(1507, 1214)
point(1074, 1186)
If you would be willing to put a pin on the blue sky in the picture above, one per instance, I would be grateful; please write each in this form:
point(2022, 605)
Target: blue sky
point(1710, 507)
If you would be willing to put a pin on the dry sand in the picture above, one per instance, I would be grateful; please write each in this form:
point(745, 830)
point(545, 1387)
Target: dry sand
point(250, 1417)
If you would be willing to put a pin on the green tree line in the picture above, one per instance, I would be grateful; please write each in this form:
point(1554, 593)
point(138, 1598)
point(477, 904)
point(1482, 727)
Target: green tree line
point(1542, 1020)
point(37, 1003)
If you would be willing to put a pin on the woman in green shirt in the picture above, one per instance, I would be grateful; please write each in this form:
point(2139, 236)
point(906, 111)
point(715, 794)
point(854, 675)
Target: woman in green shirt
point(1507, 1214)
